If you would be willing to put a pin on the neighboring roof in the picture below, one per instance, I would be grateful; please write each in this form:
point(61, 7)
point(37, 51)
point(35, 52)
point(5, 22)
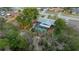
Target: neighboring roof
point(46, 22)
point(75, 10)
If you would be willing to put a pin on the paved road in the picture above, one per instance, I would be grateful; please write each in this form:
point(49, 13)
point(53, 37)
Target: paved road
point(71, 21)
point(74, 24)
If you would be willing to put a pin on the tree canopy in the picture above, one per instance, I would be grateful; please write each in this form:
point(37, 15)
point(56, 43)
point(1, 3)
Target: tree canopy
point(28, 14)
point(31, 13)
point(2, 22)
point(59, 26)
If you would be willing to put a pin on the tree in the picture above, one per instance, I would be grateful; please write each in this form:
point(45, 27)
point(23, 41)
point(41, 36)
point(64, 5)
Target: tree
point(31, 13)
point(3, 43)
point(66, 35)
point(71, 39)
point(11, 34)
point(67, 9)
point(15, 41)
point(25, 19)
point(22, 43)
point(59, 26)
point(2, 22)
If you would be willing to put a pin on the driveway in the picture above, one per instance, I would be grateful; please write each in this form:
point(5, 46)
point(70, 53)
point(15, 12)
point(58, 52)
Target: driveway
point(27, 36)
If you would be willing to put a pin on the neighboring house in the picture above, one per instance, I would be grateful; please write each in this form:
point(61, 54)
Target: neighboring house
point(75, 10)
point(55, 9)
point(43, 24)
point(42, 10)
point(2, 13)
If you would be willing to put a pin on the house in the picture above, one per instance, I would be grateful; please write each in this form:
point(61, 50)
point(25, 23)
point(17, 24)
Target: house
point(55, 9)
point(2, 13)
point(75, 10)
point(43, 24)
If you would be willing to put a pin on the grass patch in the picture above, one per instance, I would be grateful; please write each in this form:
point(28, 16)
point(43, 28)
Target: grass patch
point(3, 43)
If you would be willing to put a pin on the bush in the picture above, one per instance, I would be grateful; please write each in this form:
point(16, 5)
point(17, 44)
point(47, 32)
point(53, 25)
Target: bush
point(3, 43)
